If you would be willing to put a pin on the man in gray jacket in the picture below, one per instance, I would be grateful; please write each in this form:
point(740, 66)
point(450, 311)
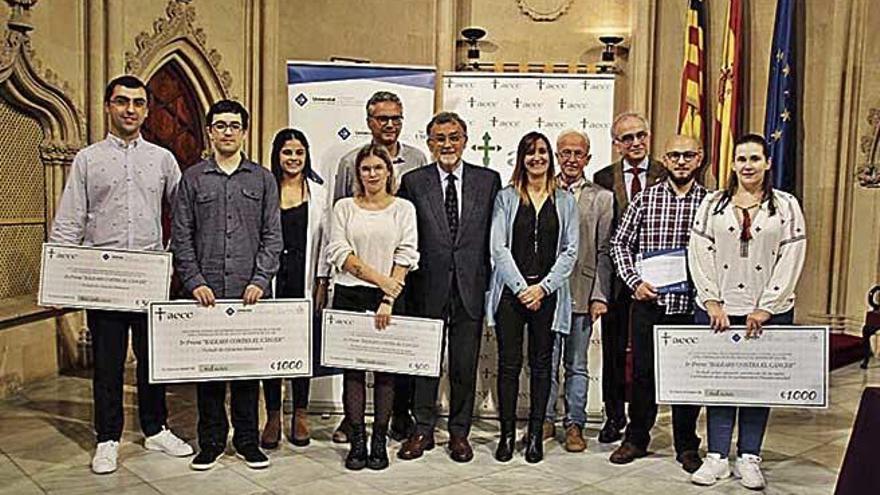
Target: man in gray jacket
point(590, 286)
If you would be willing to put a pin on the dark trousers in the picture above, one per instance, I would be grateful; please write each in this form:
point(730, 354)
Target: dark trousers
point(462, 335)
point(272, 393)
point(511, 318)
point(109, 331)
point(643, 407)
point(358, 298)
point(213, 424)
point(615, 335)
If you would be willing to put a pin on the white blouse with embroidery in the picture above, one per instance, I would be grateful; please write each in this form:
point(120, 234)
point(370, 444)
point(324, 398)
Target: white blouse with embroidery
point(745, 275)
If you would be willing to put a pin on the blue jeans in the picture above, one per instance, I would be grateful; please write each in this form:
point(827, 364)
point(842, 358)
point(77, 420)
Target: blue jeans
point(574, 347)
point(752, 420)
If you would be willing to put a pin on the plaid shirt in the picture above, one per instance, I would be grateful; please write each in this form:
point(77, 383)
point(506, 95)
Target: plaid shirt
point(656, 219)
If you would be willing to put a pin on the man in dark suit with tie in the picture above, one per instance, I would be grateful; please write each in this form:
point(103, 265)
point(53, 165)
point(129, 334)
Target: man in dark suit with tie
point(626, 178)
point(454, 202)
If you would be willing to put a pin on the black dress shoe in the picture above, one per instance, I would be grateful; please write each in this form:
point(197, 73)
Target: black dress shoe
point(610, 432)
point(690, 460)
point(506, 444)
point(534, 444)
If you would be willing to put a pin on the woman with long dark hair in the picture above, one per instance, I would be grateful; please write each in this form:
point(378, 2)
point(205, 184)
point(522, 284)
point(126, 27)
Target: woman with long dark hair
point(533, 244)
point(304, 223)
point(745, 256)
point(373, 245)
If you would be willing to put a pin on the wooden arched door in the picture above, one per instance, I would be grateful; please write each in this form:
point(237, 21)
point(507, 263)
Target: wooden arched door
point(176, 122)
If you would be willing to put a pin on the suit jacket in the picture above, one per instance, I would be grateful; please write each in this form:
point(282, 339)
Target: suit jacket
point(611, 178)
point(444, 260)
point(593, 271)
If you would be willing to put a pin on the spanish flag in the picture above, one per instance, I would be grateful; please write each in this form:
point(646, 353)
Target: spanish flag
point(692, 102)
point(727, 115)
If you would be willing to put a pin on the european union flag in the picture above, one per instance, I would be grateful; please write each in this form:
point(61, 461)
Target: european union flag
point(779, 122)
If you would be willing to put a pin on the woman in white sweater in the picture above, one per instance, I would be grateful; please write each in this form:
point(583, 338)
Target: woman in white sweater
point(745, 256)
point(373, 245)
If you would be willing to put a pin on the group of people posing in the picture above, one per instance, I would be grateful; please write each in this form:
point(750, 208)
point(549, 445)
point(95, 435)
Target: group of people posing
point(541, 258)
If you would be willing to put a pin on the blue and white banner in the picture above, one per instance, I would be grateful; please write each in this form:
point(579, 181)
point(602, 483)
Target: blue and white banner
point(327, 101)
point(500, 108)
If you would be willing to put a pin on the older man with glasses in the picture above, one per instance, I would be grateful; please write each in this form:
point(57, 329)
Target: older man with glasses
point(625, 178)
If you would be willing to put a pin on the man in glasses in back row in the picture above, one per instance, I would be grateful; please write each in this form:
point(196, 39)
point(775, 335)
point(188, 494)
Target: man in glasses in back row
point(625, 178)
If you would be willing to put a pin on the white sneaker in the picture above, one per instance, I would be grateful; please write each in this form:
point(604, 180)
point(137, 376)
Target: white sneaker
point(714, 468)
point(168, 442)
point(104, 461)
point(748, 469)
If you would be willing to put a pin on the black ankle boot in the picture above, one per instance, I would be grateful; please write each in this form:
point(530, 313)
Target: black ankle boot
point(534, 442)
point(378, 458)
point(357, 453)
point(506, 443)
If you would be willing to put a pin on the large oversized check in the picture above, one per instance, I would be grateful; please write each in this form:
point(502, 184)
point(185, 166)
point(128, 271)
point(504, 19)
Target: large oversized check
point(229, 341)
point(410, 346)
point(103, 278)
point(787, 366)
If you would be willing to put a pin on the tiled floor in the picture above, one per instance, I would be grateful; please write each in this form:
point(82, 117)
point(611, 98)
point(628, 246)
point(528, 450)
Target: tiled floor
point(46, 442)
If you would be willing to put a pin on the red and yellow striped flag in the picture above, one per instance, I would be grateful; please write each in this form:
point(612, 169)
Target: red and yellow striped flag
point(692, 102)
point(727, 115)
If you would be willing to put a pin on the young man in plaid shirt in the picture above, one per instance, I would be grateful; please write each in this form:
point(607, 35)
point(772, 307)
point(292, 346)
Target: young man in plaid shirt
point(659, 218)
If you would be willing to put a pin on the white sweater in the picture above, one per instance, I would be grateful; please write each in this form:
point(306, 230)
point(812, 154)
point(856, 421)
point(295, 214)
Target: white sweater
point(381, 239)
point(759, 275)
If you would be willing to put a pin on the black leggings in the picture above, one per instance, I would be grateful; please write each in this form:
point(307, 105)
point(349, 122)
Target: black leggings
point(272, 393)
point(511, 317)
point(354, 395)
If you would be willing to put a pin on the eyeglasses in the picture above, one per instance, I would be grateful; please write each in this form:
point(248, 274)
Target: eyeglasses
point(674, 156)
point(629, 139)
point(452, 138)
point(388, 119)
point(221, 126)
point(124, 102)
point(577, 154)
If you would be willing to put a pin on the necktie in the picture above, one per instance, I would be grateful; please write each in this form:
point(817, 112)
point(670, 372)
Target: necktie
point(635, 186)
point(451, 205)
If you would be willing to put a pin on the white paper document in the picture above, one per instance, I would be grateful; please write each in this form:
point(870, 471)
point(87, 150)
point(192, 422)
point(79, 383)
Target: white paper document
point(102, 278)
point(229, 341)
point(665, 270)
point(787, 366)
point(409, 346)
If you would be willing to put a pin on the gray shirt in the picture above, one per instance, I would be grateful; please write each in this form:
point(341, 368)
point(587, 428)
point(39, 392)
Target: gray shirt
point(408, 158)
point(226, 232)
point(113, 196)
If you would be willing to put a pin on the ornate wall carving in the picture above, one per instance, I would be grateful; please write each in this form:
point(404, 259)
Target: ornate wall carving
point(176, 37)
point(544, 10)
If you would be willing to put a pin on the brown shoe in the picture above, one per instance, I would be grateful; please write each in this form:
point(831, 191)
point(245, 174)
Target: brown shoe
point(574, 439)
point(627, 453)
point(272, 431)
point(415, 446)
point(690, 460)
point(343, 431)
point(548, 430)
point(299, 428)
point(460, 449)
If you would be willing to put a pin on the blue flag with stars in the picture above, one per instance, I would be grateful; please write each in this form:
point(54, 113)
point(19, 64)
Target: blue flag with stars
point(779, 122)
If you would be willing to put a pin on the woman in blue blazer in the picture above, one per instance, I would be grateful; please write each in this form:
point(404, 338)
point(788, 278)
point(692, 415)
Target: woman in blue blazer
point(533, 244)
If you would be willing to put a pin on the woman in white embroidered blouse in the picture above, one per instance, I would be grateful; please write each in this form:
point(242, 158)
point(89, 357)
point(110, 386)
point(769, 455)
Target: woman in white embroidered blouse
point(745, 256)
point(373, 244)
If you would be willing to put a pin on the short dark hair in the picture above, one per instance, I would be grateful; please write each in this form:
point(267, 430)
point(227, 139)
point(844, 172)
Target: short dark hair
point(127, 81)
point(381, 97)
point(445, 118)
point(228, 106)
